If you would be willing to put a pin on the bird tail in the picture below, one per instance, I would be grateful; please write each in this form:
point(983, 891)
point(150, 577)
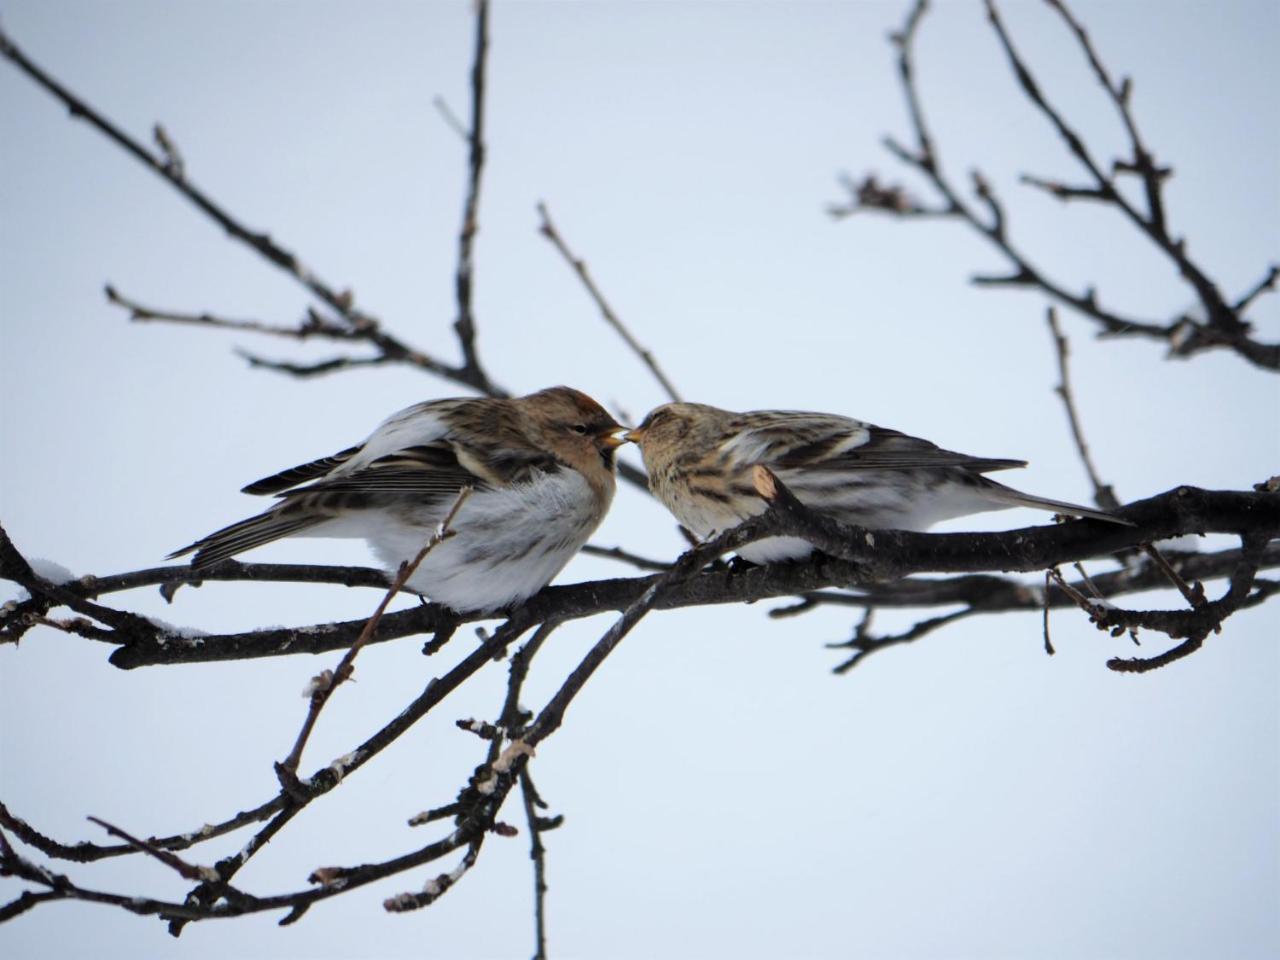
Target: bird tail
point(246, 535)
point(1018, 498)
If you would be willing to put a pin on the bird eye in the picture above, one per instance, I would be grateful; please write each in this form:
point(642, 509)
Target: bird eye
point(579, 428)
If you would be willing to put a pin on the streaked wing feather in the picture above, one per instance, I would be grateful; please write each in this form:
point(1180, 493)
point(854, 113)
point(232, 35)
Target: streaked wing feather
point(246, 535)
point(430, 471)
point(285, 479)
point(830, 443)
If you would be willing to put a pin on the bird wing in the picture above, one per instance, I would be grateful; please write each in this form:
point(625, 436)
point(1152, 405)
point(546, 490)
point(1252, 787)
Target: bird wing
point(418, 450)
point(416, 456)
point(285, 479)
point(795, 440)
point(419, 424)
point(424, 474)
point(428, 471)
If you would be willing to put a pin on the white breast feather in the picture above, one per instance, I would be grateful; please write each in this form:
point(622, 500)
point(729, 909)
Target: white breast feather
point(509, 542)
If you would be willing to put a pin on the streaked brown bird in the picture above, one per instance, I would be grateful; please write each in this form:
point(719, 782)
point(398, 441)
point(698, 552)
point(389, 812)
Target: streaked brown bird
point(542, 472)
point(700, 461)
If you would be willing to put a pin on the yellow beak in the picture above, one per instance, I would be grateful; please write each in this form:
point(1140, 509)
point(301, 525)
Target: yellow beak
point(633, 436)
point(612, 441)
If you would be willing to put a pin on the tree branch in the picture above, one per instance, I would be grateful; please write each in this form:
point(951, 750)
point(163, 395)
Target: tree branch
point(1224, 326)
point(363, 326)
point(465, 325)
point(856, 557)
point(548, 229)
point(1220, 316)
point(1103, 494)
point(329, 680)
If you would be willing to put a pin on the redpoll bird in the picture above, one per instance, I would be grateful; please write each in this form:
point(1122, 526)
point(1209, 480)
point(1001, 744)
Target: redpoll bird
point(700, 462)
point(542, 472)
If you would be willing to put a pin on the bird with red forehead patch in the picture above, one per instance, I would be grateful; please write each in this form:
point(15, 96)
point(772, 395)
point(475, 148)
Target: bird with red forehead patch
point(700, 461)
point(542, 474)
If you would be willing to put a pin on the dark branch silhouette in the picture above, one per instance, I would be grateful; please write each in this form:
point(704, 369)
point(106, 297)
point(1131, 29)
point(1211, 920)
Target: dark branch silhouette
point(354, 323)
point(1223, 324)
point(548, 229)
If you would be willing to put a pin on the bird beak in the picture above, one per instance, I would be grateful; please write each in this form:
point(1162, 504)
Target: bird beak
point(633, 436)
point(611, 441)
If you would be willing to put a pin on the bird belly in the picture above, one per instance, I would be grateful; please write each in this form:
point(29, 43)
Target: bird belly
point(879, 500)
point(508, 543)
point(705, 517)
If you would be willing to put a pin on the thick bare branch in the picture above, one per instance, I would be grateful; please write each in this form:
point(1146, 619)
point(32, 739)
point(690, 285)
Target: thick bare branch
point(868, 559)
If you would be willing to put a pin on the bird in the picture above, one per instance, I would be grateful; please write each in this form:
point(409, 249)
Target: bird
point(541, 469)
point(700, 460)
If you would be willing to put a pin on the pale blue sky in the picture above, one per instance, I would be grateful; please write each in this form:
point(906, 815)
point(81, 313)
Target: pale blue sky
point(724, 794)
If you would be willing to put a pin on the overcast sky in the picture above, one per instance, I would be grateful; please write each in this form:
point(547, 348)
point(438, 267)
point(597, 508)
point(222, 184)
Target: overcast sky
point(724, 794)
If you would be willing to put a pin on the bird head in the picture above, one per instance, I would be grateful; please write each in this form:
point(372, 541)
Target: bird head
point(574, 427)
point(673, 427)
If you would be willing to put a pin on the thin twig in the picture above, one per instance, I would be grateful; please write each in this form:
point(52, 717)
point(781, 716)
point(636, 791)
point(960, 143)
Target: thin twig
point(85, 852)
point(1120, 94)
point(327, 682)
point(1103, 493)
point(320, 368)
point(625, 556)
point(1193, 595)
point(364, 325)
point(548, 229)
point(925, 158)
point(1267, 283)
point(864, 643)
point(450, 118)
point(1185, 336)
point(172, 155)
point(159, 163)
point(185, 870)
point(1223, 326)
point(552, 715)
point(295, 796)
point(1048, 643)
point(313, 326)
point(465, 325)
point(510, 721)
point(538, 854)
point(1196, 624)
